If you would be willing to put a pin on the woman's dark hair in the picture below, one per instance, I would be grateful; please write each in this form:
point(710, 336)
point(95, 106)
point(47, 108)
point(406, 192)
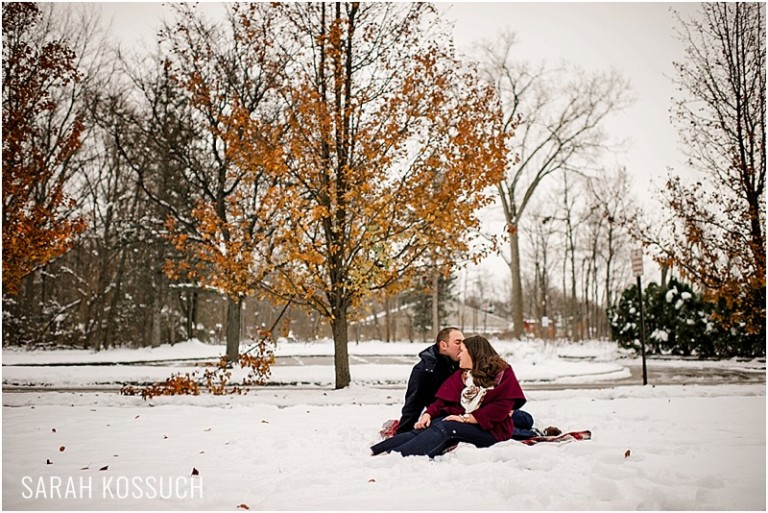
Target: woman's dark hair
point(486, 362)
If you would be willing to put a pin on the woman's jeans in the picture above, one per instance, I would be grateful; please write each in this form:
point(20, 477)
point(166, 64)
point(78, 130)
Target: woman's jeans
point(435, 439)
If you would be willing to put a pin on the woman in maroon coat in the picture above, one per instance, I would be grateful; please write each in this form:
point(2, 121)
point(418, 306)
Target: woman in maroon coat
point(474, 405)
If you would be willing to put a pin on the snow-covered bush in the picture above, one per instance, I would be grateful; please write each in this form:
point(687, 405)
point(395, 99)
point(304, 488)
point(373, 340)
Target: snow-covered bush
point(677, 321)
point(624, 320)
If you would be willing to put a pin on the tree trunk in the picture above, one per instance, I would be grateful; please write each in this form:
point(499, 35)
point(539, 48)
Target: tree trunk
point(608, 265)
point(608, 284)
point(233, 329)
point(386, 318)
point(517, 284)
point(109, 334)
point(575, 309)
point(435, 303)
point(571, 251)
point(536, 310)
point(376, 324)
point(191, 320)
point(341, 352)
point(157, 312)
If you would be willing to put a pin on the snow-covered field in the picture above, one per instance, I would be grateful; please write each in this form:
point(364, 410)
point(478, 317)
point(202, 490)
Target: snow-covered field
point(306, 448)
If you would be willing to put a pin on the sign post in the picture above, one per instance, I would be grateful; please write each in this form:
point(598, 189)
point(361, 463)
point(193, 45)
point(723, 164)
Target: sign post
point(637, 270)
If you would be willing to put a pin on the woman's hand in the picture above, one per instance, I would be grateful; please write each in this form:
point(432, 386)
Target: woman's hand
point(466, 418)
point(423, 422)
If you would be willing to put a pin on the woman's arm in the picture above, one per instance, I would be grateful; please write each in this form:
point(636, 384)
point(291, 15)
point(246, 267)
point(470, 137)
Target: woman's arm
point(497, 404)
point(466, 418)
point(437, 408)
point(495, 411)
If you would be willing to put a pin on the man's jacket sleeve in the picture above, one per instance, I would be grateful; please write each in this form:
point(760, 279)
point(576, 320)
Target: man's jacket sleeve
point(415, 400)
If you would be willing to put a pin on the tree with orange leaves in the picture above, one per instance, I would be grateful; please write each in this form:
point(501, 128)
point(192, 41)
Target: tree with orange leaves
point(37, 226)
point(388, 146)
point(232, 220)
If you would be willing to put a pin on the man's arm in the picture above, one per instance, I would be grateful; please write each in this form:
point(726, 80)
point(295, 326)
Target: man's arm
point(414, 398)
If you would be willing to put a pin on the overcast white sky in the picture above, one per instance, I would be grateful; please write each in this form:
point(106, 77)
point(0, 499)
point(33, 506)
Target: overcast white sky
point(637, 39)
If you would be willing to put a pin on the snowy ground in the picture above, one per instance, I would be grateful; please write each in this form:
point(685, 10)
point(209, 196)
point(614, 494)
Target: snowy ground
point(288, 448)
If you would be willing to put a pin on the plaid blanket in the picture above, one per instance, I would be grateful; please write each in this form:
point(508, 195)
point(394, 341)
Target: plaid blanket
point(573, 436)
point(389, 428)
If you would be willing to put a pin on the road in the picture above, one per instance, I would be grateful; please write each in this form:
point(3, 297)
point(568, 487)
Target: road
point(667, 373)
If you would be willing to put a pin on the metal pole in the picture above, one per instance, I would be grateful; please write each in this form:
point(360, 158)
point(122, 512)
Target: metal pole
point(642, 328)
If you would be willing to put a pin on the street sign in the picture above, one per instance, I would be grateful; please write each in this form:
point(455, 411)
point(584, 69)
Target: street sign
point(637, 262)
point(637, 270)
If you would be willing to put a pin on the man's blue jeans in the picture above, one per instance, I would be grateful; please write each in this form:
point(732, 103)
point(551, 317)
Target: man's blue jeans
point(523, 425)
point(435, 439)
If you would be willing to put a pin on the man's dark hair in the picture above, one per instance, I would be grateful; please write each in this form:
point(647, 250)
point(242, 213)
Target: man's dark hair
point(444, 333)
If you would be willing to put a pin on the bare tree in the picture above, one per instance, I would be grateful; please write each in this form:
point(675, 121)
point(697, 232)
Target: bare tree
point(152, 128)
point(570, 208)
point(541, 232)
point(611, 201)
point(556, 116)
point(604, 205)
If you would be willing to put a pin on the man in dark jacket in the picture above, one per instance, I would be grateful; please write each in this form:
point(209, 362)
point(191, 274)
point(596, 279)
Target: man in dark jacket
point(436, 363)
